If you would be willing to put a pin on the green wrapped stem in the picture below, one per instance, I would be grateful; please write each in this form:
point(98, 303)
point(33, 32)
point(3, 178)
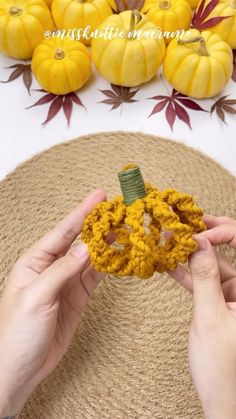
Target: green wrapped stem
point(132, 184)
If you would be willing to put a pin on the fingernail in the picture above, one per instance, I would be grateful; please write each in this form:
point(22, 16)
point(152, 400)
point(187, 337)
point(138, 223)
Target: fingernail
point(80, 251)
point(202, 242)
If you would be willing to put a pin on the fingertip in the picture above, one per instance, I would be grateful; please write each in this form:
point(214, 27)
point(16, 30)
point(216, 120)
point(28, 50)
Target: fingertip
point(208, 217)
point(100, 194)
point(203, 242)
point(80, 251)
point(210, 220)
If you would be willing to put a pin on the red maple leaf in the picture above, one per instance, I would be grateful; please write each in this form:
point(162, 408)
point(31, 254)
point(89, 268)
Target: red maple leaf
point(118, 95)
point(201, 14)
point(23, 70)
point(58, 102)
point(223, 105)
point(175, 105)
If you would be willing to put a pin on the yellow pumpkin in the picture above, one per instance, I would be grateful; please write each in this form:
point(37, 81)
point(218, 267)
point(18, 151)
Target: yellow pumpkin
point(227, 27)
point(61, 66)
point(22, 26)
point(133, 57)
point(80, 14)
point(168, 15)
point(198, 65)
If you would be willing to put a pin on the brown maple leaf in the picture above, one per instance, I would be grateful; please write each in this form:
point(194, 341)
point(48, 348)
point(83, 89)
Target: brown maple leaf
point(234, 66)
point(118, 95)
point(175, 105)
point(58, 102)
point(23, 70)
point(122, 5)
point(201, 14)
point(223, 105)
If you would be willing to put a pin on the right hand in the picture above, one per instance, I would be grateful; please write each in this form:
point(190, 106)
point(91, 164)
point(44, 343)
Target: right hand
point(212, 338)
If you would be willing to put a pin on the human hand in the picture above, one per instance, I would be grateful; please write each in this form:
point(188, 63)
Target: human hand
point(212, 337)
point(45, 295)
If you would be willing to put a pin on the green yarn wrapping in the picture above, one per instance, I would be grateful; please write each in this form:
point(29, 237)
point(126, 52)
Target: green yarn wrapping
point(132, 184)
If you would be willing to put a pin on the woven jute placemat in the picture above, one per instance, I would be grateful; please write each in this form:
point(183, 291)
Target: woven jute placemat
point(129, 356)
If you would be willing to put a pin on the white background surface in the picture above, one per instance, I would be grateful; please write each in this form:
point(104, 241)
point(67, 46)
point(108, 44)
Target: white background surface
point(22, 135)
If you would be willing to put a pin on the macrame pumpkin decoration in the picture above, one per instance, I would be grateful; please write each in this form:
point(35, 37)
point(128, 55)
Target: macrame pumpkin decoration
point(153, 229)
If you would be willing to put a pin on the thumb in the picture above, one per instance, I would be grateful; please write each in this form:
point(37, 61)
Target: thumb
point(207, 291)
point(56, 276)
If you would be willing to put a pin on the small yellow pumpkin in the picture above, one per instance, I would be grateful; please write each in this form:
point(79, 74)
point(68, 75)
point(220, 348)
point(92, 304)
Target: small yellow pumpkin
point(22, 26)
point(198, 65)
point(61, 66)
point(79, 15)
point(227, 27)
point(170, 16)
point(129, 56)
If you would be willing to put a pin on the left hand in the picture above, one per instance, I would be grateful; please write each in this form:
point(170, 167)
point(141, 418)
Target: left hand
point(46, 293)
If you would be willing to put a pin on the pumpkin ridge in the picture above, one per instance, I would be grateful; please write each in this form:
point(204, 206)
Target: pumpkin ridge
point(189, 88)
point(122, 60)
point(7, 46)
point(98, 10)
point(66, 74)
point(29, 39)
point(145, 59)
point(103, 53)
point(221, 65)
point(208, 84)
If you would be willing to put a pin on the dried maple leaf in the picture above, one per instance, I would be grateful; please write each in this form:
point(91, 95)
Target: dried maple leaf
point(175, 105)
point(118, 95)
point(58, 102)
point(201, 14)
point(122, 5)
point(23, 70)
point(234, 66)
point(223, 105)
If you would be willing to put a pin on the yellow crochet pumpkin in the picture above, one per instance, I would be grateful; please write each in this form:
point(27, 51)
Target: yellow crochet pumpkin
point(198, 65)
point(61, 65)
point(80, 14)
point(169, 15)
point(22, 26)
point(133, 58)
point(140, 246)
point(227, 27)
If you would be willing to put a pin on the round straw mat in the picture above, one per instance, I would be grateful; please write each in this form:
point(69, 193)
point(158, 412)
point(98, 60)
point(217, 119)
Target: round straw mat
point(129, 356)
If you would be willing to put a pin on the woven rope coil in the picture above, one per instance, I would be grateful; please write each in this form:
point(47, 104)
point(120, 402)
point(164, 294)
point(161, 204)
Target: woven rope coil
point(128, 359)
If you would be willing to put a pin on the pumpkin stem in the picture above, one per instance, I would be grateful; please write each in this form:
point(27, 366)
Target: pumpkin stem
point(164, 4)
point(136, 17)
point(59, 54)
point(15, 11)
point(132, 184)
point(202, 49)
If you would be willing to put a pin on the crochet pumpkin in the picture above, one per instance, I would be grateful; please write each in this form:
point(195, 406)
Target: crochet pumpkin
point(141, 247)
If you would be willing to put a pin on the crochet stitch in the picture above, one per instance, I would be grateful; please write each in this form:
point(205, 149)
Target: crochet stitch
point(142, 247)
